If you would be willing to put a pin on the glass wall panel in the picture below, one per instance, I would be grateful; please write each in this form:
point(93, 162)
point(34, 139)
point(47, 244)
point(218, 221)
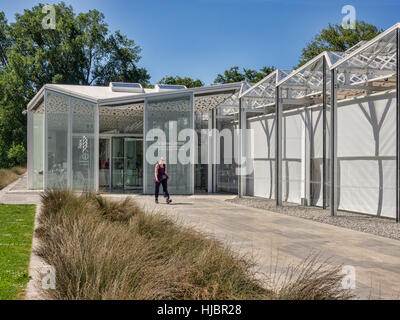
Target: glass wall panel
point(104, 163)
point(70, 142)
point(83, 144)
point(227, 126)
point(133, 159)
point(201, 167)
point(38, 151)
point(170, 115)
point(57, 109)
point(118, 163)
point(127, 163)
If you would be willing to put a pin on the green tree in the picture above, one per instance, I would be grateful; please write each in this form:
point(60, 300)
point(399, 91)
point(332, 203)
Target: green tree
point(255, 76)
point(336, 38)
point(5, 42)
point(235, 75)
point(186, 81)
point(231, 75)
point(81, 50)
point(16, 155)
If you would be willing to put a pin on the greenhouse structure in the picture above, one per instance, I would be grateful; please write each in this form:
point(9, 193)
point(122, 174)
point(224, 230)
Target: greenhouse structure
point(326, 134)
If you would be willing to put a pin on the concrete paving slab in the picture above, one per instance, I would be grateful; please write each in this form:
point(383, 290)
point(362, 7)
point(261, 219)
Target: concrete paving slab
point(278, 239)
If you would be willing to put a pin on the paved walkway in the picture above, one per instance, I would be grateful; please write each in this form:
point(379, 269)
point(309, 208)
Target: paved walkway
point(277, 239)
point(17, 193)
point(272, 239)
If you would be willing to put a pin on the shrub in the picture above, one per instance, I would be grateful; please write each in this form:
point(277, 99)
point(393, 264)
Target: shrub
point(16, 155)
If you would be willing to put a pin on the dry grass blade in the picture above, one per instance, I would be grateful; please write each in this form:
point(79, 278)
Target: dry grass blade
point(117, 211)
point(312, 279)
point(8, 176)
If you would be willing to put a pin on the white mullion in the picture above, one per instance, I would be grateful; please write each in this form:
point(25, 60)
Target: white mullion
point(96, 148)
point(69, 146)
point(45, 137)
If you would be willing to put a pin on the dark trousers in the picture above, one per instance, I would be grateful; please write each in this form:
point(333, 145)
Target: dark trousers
point(164, 186)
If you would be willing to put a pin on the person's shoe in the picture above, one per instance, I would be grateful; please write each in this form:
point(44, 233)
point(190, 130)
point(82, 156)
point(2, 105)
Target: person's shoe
point(156, 201)
point(169, 201)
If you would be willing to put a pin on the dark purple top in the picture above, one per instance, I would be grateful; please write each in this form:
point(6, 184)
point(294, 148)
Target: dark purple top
point(160, 172)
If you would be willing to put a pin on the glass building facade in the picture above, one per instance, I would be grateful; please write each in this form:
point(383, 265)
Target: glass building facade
point(68, 149)
point(63, 139)
point(165, 121)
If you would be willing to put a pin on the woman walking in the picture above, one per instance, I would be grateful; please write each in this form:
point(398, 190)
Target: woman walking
point(161, 177)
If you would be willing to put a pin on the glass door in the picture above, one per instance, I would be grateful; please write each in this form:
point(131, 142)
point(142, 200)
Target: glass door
point(200, 168)
point(104, 163)
point(133, 163)
point(118, 163)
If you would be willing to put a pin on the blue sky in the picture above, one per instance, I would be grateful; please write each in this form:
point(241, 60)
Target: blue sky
point(201, 38)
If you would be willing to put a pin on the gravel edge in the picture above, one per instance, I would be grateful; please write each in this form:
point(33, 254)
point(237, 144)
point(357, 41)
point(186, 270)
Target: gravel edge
point(383, 227)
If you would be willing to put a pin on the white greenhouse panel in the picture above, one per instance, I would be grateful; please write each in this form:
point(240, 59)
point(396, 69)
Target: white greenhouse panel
point(261, 182)
point(292, 160)
point(366, 155)
point(316, 156)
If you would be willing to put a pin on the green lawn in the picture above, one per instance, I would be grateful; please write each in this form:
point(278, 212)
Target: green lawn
point(16, 230)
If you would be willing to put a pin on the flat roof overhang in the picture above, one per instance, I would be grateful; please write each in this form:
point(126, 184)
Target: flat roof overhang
point(222, 90)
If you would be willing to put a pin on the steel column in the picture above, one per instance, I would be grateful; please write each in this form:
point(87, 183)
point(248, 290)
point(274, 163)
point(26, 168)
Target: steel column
point(278, 150)
point(397, 125)
point(210, 134)
point(194, 143)
point(240, 145)
point(306, 156)
point(45, 136)
point(144, 148)
point(333, 146)
point(324, 123)
point(69, 146)
point(214, 146)
point(30, 147)
point(96, 147)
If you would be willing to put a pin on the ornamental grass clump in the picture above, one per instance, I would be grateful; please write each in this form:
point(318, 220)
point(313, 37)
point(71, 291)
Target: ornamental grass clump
point(106, 249)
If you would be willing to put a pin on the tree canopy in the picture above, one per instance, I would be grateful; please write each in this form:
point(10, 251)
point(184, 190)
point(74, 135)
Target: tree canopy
point(235, 75)
point(4, 40)
point(80, 50)
point(337, 38)
point(185, 81)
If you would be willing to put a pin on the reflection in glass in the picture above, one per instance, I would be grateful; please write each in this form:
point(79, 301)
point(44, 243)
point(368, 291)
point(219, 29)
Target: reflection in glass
point(57, 110)
point(104, 163)
point(175, 113)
